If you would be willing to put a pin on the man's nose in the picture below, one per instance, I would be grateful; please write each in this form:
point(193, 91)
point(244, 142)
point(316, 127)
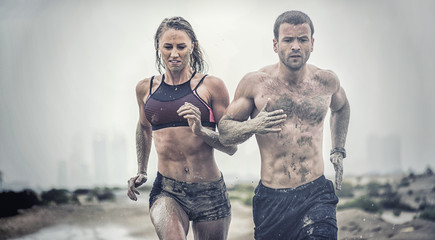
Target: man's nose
point(295, 46)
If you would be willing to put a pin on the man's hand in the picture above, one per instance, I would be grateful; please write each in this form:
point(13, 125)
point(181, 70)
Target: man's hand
point(135, 182)
point(193, 116)
point(337, 160)
point(267, 122)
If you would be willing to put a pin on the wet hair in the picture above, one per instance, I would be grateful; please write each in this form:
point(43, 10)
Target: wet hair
point(292, 17)
point(197, 62)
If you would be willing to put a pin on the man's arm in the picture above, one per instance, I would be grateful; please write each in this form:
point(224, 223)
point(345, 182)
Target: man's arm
point(236, 132)
point(339, 122)
point(193, 115)
point(235, 127)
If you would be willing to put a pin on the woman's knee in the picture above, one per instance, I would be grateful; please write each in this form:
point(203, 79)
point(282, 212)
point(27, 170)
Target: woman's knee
point(216, 230)
point(169, 219)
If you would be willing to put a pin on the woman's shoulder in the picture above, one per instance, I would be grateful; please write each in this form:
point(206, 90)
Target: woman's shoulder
point(210, 81)
point(143, 86)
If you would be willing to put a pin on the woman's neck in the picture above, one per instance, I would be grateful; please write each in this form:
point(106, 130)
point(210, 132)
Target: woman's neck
point(179, 77)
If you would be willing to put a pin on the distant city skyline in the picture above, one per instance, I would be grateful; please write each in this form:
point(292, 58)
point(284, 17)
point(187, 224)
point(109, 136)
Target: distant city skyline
point(384, 155)
point(107, 169)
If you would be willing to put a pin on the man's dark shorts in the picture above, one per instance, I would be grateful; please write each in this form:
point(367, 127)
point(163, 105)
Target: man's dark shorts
point(306, 212)
point(203, 201)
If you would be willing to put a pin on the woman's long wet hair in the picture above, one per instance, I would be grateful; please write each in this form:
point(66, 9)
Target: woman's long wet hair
point(197, 63)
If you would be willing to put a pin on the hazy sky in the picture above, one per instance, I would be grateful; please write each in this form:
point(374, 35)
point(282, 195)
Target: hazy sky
point(68, 71)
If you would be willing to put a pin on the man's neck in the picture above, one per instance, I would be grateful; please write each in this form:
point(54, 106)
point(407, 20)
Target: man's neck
point(291, 76)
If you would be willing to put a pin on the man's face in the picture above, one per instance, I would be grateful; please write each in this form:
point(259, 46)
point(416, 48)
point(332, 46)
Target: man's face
point(294, 45)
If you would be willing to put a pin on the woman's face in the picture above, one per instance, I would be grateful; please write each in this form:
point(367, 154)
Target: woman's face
point(176, 48)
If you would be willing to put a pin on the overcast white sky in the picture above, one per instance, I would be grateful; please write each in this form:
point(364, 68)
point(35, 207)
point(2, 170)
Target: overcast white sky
point(68, 71)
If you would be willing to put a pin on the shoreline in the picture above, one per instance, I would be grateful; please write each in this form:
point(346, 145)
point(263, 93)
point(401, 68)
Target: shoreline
point(132, 219)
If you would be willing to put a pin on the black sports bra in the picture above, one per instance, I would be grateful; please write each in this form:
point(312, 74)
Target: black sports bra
point(162, 105)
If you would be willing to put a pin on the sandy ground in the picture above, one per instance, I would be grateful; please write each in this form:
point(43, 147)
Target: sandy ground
point(130, 221)
point(123, 219)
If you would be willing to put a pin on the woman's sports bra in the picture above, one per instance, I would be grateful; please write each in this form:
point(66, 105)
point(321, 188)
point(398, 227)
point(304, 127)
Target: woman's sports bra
point(162, 105)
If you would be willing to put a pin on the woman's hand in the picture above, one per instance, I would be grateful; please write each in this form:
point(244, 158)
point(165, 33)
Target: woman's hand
point(135, 182)
point(193, 116)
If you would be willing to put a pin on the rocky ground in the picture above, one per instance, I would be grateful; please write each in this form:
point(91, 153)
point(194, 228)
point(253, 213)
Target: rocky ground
point(134, 218)
point(128, 220)
point(357, 224)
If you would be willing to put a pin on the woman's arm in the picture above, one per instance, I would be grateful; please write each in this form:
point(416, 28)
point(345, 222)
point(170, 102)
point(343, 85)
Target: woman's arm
point(219, 100)
point(143, 142)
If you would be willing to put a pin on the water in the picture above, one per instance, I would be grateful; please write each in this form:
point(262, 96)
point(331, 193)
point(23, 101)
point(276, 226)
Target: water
point(76, 232)
point(404, 217)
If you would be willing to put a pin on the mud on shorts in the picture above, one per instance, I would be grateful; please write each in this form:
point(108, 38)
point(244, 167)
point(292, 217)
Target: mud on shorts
point(203, 201)
point(305, 212)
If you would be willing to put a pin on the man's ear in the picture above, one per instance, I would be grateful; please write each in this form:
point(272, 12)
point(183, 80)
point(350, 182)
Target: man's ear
point(312, 45)
point(275, 45)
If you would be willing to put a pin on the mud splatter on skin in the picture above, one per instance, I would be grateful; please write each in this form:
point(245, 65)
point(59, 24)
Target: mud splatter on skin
point(286, 104)
point(304, 172)
point(286, 172)
point(293, 166)
point(308, 111)
point(281, 155)
point(305, 141)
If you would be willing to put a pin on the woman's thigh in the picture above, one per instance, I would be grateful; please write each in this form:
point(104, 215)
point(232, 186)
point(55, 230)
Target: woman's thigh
point(169, 219)
point(212, 230)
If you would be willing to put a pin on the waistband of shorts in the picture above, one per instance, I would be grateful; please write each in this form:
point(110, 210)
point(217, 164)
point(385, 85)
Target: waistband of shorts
point(173, 182)
point(306, 186)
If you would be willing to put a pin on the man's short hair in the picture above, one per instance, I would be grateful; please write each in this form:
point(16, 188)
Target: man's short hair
point(292, 17)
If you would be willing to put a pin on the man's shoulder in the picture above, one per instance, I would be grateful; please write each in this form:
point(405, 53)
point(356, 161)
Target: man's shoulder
point(269, 69)
point(261, 74)
point(325, 77)
point(323, 74)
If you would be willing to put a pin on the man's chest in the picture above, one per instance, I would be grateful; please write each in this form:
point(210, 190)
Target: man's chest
point(303, 107)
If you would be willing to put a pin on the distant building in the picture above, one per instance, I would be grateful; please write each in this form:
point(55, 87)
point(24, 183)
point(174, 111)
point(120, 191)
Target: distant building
point(78, 169)
point(100, 160)
point(118, 160)
point(62, 174)
point(383, 155)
